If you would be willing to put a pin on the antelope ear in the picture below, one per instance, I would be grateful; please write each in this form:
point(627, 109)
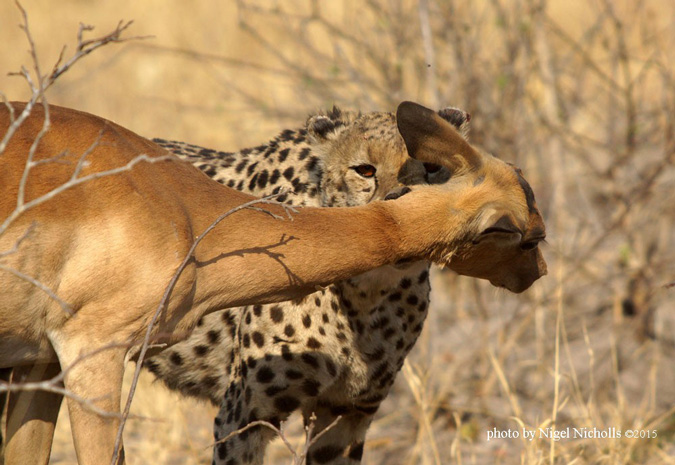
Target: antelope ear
point(431, 139)
point(414, 172)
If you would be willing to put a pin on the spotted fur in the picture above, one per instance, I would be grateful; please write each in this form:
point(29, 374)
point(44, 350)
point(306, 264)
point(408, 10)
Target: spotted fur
point(335, 352)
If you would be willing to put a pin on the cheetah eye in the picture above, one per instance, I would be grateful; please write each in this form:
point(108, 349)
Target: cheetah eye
point(367, 171)
point(432, 168)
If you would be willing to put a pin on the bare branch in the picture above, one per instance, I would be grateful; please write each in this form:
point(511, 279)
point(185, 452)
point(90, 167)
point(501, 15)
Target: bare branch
point(54, 159)
point(253, 424)
point(48, 386)
point(18, 242)
point(299, 458)
point(9, 107)
point(55, 384)
point(40, 83)
point(311, 439)
point(16, 123)
point(85, 47)
point(29, 37)
point(76, 182)
point(29, 162)
point(66, 308)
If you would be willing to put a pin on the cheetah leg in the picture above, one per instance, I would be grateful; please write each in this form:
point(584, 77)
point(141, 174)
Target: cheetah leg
point(249, 446)
point(343, 443)
point(31, 417)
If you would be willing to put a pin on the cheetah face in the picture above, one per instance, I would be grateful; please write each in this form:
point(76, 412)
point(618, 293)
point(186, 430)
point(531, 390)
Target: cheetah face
point(362, 156)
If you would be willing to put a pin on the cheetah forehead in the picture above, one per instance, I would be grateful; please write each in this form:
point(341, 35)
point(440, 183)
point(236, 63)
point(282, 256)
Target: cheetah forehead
point(348, 127)
point(380, 126)
point(371, 137)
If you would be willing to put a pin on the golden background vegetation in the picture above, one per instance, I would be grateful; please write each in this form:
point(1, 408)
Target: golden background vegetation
point(579, 94)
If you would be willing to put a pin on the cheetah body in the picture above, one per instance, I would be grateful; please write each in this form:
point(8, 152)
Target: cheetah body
point(333, 353)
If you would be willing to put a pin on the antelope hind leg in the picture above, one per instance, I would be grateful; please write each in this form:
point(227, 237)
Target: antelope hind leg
point(31, 417)
point(98, 379)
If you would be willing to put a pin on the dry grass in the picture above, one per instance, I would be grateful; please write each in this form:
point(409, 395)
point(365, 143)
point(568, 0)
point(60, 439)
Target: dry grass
point(580, 95)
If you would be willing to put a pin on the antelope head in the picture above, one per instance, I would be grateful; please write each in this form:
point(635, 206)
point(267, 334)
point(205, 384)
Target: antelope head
point(499, 240)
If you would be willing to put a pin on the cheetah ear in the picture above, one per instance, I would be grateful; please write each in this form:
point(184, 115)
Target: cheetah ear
point(320, 127)
point(458, 118)
point(429, 138)
point(326, 126)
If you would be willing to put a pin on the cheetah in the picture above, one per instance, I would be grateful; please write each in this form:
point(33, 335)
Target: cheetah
point(335, 352)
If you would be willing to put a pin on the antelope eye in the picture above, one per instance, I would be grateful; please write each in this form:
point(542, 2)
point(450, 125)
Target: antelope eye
point(502, 230)
point(367, 171)
point(532, 243)
point(497, 229)
point(502, 226)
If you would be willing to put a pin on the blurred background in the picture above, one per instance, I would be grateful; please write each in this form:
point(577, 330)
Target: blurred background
point(579, 94)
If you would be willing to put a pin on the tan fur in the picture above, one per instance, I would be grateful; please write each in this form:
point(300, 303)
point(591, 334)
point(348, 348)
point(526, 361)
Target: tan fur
point(109, 247)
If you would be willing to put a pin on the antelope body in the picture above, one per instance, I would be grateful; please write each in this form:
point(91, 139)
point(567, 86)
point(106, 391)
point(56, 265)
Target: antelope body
point(109, 247)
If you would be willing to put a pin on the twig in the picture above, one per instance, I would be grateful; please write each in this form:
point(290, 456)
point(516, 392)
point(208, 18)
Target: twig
point(38, 88)
point(53, 385)
point(76, 182)
point(66, 308)
point(48, 386)
point(41, 83)
point(20, 197)
point(17, 244)
point(9, 107)
point(310, 440)
point(64, 371)
point(253, 424)
point(85, 47)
